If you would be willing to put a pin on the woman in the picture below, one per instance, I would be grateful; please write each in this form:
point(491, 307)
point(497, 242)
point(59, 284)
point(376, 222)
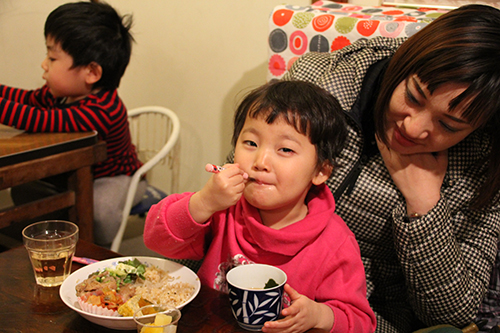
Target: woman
point(419, 177)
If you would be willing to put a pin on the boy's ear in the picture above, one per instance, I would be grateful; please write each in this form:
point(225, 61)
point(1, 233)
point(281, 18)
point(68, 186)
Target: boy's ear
point(93, 73)
point(323, 173)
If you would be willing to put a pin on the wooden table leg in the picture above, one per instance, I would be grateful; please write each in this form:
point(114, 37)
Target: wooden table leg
point(81, 181)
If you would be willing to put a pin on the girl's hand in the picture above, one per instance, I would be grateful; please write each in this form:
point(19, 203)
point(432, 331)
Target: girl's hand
point(301, 316)
point(222, 191)
point(419, 177)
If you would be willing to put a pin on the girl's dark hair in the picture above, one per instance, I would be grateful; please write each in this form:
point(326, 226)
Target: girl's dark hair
point(93, 32)
point(310, 109)
point(461, 46)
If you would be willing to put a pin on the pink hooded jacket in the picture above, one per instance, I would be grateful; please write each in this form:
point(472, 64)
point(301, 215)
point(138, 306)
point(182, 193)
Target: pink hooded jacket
point(319, 254)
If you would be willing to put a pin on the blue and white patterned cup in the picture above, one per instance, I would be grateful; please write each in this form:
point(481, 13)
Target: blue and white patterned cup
point(251, 302)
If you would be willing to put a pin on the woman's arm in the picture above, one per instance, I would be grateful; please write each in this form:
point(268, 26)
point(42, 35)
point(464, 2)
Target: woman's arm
point(447, 260)
point(446, 252)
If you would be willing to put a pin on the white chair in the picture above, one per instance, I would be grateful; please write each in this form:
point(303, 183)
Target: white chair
point(154, 131)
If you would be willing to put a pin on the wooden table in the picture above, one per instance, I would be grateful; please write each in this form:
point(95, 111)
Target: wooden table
point(26, 157)
point(27, 308)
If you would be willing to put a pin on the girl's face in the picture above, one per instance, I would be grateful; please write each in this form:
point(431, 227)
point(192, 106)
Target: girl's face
point(418, 122)
point(281, 165)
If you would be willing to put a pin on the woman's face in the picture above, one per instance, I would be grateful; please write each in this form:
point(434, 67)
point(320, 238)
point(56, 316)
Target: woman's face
point(418, 122)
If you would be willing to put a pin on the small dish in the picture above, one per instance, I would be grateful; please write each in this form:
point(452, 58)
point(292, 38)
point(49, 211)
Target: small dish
point(150, 322)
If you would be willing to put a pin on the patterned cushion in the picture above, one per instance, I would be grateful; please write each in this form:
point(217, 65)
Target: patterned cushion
point(327, 26)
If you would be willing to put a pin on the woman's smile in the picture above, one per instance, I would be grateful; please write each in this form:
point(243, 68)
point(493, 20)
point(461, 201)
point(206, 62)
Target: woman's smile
point(402, 139)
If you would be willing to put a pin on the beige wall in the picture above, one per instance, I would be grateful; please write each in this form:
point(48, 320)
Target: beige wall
point(195, 57)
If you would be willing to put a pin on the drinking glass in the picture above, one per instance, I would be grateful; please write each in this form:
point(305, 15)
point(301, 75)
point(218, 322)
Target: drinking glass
point(51, 246)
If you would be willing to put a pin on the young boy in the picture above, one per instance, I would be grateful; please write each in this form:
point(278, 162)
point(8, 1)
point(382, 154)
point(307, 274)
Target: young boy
point(273, 207)
point(88, 49)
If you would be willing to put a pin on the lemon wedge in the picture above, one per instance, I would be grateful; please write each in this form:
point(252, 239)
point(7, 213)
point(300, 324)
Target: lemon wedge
point(160, 320)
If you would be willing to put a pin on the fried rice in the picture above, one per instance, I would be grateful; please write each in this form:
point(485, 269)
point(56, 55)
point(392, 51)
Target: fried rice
point(162, 288)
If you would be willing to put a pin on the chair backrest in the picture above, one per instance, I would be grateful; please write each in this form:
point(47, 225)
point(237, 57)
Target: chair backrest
point(327, 26)
point(154, 131)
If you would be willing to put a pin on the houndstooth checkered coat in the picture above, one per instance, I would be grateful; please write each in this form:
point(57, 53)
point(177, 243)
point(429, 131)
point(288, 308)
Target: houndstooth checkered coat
point(436, 269)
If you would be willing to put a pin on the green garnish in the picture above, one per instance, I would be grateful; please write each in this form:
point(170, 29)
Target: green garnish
point(128, 271)
point(270, 284)
point(140, 269)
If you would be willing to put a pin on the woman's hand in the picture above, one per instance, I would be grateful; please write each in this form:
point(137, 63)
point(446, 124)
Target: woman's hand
point(301, 316)
point(419, 177)
point(222, 191)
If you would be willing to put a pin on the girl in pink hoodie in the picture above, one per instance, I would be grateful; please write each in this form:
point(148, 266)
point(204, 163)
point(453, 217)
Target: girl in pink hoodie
point(273, 207)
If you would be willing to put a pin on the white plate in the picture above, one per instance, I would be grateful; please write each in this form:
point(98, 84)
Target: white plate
point(68, 292)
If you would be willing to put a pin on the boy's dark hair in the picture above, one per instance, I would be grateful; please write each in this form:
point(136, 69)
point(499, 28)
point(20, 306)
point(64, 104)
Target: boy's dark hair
point(312, 110)
point(93, 32)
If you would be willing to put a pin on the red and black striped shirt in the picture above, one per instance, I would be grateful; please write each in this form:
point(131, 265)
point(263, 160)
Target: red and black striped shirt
point(104, 112)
